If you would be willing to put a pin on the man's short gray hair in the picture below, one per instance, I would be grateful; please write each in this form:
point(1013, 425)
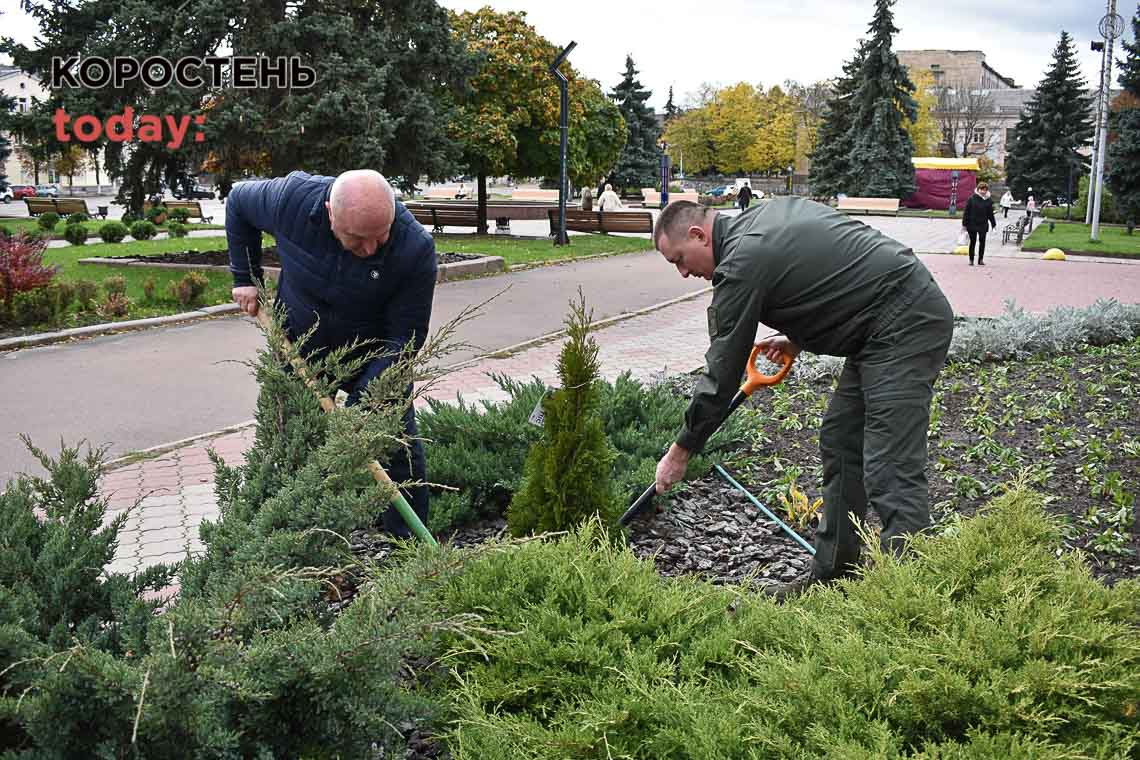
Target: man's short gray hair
point(678, 217)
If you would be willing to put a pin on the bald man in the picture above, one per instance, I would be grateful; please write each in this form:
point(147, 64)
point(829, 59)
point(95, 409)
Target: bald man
point(354, 264)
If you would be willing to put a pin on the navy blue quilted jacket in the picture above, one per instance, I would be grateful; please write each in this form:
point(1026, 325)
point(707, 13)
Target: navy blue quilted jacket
point(386, 296)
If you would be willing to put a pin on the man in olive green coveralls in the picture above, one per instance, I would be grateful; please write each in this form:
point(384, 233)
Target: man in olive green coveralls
point(831, 285)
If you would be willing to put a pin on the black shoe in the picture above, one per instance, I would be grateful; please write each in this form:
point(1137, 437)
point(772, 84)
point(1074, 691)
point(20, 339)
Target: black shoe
point(971, 262)
point(781, 592)
point(981, 263)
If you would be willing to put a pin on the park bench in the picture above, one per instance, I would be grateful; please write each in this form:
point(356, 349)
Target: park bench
point(37, 206)
point(868, 205)
point(1018, 229)
point(441, 216)
point(534, 195)
point(603, 221)
point(69, 206)
point(447, 193)
point(63, 206)
point(194, 207)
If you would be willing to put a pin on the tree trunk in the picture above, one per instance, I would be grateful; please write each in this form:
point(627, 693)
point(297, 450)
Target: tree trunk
point(482, 205)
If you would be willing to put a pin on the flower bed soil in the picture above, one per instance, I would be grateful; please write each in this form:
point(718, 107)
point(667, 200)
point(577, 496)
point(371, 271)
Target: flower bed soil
point(713, 530)
point(269, 257)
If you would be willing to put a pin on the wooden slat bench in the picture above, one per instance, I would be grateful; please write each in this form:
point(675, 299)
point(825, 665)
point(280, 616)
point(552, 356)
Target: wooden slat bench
point(1018, 229)
point(439, 217)
point(37, 206)
point(63, 206)
point(868, 205)
point(603, 221)
point(534, 195)
point(194, 207)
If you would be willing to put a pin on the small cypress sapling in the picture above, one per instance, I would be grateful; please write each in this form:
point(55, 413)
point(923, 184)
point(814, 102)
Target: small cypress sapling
point(568, 477)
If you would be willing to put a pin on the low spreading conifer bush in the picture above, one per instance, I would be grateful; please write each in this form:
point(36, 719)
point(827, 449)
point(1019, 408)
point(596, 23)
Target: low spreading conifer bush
point(985, 644)
point(481, 448)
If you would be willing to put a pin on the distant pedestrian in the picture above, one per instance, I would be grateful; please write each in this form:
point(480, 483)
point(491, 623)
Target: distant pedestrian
point(744, 197)
point(461, 193)
point(978, 218)
point(609, 200)
point(1006, 204)
point(1030, 205)
point(587, 199)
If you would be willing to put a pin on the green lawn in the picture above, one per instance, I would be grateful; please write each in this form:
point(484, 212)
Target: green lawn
point(24, 224)
point(1075, 237)
point(527, 251)
point(513, 251)
point(70, 270)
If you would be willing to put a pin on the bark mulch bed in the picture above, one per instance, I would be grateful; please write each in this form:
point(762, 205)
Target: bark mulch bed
point(269, 257)
point(1069, 425)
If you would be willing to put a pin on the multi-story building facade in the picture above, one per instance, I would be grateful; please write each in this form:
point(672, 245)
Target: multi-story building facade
point(992, 128)
point(25, 90)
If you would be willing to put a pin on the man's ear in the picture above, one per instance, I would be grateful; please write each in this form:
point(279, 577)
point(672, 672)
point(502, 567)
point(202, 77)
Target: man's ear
point(697, 232)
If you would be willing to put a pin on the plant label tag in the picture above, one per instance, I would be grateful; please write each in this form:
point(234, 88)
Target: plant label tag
point(537, 416)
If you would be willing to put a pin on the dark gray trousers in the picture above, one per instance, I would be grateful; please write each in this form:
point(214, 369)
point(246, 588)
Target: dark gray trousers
point(873, 437)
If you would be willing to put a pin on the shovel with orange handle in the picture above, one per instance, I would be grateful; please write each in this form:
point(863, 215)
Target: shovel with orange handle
point(410, 517)
point(754, 379)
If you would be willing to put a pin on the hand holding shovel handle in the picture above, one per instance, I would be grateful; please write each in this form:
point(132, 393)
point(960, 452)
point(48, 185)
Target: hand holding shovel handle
point(754, 379)
point(410, 517)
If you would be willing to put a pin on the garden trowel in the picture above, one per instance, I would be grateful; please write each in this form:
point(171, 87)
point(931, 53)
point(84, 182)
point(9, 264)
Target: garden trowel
point(752, 381)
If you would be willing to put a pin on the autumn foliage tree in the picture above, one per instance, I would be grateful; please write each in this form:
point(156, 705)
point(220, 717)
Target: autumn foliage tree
point(507, 120)
point(738, 129)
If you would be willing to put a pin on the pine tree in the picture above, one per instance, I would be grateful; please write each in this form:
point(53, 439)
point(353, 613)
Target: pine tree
point(568, 476)
point(882, 149)
point(1122, 161)
point(671, 110)
point(1056, 122)
point(830, 161)
point(637, 165)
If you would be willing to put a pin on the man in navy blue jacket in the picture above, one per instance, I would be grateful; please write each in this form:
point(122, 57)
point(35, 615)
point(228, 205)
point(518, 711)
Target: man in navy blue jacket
point(355, 263)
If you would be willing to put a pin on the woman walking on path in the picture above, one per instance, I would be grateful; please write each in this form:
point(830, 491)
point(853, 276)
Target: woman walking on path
point(1006, 204)
point(978, 218)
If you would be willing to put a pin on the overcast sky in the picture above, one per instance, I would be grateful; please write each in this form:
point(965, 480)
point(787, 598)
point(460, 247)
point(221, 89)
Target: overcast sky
point(684, 43)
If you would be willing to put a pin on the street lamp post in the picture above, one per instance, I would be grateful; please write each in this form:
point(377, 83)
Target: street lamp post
point(1111, 27)
point(953, 192)
point(664, 174)
point(560, 237)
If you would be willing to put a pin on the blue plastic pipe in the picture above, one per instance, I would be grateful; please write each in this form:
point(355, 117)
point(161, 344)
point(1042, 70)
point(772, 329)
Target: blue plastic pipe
point(784, 526)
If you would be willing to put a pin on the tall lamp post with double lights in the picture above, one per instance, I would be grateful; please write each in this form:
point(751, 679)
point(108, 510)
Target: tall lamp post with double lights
point(560, 237)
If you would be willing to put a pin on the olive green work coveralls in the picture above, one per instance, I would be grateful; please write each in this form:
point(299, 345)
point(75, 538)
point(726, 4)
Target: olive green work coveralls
point(834, 286)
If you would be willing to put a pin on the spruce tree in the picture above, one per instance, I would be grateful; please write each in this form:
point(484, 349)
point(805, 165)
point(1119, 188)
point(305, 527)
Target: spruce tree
point(637, 165)
point(671, 110)
point(882, 149)
point(1122, 162)
point(1056, 122)
point(830, 161)
point(568, 476)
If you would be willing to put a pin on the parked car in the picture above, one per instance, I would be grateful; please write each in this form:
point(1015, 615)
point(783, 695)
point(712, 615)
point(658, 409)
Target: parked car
point(6, 195)
point(722, 191)
point(19, 192)
point(48, 191)
point(196, 191)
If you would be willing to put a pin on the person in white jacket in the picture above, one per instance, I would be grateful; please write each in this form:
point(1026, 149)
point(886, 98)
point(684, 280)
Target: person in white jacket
point(1006, 204)
point(609, 200)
